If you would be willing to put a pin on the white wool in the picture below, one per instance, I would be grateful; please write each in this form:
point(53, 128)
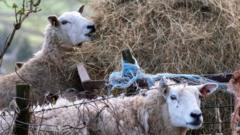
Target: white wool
point(148, 113)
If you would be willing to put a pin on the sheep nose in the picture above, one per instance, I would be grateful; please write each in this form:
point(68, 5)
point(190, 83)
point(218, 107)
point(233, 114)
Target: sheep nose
point(91, 28)
point(196, 115)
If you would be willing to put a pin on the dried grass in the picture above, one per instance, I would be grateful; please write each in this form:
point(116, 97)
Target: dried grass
point(178, 36)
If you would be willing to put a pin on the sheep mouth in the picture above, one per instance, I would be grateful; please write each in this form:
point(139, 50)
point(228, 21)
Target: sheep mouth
point(195, 123)
point(90, 35)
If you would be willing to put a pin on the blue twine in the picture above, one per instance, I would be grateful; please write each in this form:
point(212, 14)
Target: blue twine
point(130, 73)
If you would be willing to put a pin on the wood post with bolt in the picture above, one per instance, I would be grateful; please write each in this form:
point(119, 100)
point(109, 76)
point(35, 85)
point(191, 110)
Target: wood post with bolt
point(23, 102)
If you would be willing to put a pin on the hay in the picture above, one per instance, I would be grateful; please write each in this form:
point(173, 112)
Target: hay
point(178, 36)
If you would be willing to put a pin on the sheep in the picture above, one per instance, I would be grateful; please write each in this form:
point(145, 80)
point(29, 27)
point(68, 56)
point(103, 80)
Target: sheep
point(52, 68)
point(234, 88)
point(165, 110)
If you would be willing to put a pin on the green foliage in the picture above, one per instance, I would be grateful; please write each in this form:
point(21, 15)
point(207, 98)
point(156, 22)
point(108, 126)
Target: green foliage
point(14, 5)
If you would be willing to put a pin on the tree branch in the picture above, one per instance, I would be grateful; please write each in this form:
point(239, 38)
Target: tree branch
point(26, 9)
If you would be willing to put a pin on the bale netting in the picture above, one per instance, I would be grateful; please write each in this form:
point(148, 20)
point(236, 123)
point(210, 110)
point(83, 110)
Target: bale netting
point(178, 36)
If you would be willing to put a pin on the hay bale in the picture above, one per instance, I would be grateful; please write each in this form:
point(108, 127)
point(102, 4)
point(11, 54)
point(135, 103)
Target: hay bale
point(179, 36)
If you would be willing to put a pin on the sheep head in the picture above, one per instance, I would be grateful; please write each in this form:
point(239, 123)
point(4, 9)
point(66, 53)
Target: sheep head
point(183, 103)
point(72, 28)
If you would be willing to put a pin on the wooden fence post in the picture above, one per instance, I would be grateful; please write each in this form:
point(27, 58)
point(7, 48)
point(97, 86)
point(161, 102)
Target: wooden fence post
point(128, 57)
point(22, 99)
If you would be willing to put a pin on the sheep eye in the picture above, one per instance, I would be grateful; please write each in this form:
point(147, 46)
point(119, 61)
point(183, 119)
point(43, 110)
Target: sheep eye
point(64, 22)
point(173, 97)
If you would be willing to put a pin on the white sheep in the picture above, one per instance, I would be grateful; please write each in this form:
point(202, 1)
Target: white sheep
point(53, 67)
point(169, 110)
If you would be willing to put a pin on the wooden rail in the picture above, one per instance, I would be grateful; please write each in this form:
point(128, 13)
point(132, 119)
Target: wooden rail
point(219, 77)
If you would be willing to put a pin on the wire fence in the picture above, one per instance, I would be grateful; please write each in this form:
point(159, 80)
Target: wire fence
point(216, 109)
point(8, 117)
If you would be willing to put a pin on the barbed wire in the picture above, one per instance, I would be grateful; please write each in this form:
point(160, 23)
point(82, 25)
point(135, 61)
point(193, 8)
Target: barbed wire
point(67, 106)
point(103, 99)
point(66, 128)
point(88, 101)
point(32, 125)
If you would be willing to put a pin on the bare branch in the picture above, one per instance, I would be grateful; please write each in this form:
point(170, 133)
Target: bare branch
point(28, 7)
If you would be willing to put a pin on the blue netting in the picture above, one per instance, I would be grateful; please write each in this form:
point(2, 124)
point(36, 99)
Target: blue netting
point(130, 73)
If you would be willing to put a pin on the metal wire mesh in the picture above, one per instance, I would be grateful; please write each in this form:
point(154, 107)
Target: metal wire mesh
point(217, 111)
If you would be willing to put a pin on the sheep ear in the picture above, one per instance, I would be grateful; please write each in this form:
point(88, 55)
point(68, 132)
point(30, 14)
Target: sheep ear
point(80, 10)
point(165, 90)
point(53, 20)
point(164, 87)
point(207, 89)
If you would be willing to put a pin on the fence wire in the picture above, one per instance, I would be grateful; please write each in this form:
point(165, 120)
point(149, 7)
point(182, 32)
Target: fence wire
point(216, 109)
